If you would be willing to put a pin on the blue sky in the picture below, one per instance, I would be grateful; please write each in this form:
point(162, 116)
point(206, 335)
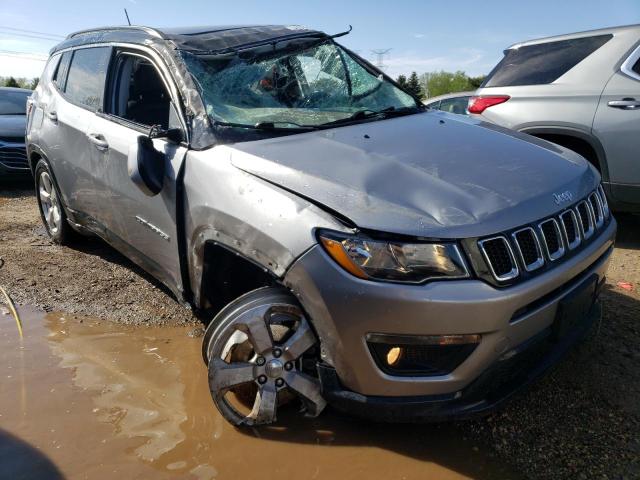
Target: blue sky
point(422, 35)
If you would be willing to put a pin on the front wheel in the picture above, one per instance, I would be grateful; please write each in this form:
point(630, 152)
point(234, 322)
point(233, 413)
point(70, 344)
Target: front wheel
point(254, 349)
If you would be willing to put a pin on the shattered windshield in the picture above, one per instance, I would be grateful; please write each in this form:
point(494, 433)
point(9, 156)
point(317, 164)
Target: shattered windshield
point(305, 86)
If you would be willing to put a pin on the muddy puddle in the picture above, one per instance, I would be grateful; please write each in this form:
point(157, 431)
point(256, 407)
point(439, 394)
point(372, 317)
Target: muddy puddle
point(81, 398)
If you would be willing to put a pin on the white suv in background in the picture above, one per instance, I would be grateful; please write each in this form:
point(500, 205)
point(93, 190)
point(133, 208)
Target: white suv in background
point(581, 91)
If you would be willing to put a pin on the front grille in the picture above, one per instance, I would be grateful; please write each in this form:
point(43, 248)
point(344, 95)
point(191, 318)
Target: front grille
point(552, 239)
point(528, 248)
point(12, 139)
point(498, 254)
point(11, 158)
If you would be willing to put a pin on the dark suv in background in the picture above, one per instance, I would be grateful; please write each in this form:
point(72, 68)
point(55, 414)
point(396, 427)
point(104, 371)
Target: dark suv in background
point(13, 124)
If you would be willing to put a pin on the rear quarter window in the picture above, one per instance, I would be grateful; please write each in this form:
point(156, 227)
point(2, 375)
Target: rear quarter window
point(542, 63)
point(60, 77)
point(87, 76)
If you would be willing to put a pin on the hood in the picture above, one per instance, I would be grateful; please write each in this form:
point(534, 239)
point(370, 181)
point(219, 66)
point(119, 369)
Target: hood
point(431, 175)
point(13, 125)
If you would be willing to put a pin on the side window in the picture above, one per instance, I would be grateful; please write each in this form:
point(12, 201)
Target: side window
point(455, 105)
point(50, 68)
point(60, 77)
point(87, 75)
point(140, 95)
point(636, 67)
point(542, 63)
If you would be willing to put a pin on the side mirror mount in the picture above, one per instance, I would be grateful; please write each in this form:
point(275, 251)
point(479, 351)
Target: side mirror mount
point(173, 134)
point(146, 166)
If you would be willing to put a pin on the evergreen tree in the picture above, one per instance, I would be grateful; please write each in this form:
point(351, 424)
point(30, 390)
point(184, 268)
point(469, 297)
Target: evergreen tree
point(11, 82)
point(413, 85)
point(402, 81)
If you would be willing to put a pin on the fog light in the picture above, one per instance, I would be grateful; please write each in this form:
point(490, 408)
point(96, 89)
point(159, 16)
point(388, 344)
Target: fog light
point(420, 355)
point(393, 356)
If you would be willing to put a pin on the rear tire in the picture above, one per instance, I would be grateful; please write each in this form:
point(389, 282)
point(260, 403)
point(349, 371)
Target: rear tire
point(52, 213)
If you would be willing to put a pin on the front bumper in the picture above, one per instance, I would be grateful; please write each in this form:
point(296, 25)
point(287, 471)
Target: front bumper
point(344, 309)
point(13, 160)
point(512, 372)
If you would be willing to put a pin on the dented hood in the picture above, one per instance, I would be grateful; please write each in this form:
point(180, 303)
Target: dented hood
point(429, 175)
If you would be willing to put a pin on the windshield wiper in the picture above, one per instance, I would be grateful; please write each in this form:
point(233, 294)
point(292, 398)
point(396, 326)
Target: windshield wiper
point(367, 114)
point(266, 125)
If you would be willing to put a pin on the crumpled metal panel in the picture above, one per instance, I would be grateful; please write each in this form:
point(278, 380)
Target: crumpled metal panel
point(259, 221)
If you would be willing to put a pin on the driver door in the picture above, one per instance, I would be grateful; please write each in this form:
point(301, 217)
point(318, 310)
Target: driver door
point(142, 226)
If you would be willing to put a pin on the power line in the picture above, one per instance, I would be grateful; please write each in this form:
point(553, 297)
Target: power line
point(33, 32)
point(28, 35)
point(23, 55)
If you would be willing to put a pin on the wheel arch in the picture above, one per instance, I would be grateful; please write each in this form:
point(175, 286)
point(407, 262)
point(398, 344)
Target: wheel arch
point(576, 140)
point(227, 274)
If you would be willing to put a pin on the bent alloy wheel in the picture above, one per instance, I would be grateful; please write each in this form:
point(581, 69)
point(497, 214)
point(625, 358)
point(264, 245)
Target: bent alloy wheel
point(254, 349)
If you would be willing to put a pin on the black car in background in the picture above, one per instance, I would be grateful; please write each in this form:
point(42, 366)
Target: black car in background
point(13, 124)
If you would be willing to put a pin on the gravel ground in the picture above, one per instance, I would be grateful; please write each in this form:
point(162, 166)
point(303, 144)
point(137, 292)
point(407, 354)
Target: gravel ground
point(580, 421)
point(90, 278)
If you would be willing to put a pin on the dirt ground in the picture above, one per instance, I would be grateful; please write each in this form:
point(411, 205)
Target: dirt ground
point(581, 421)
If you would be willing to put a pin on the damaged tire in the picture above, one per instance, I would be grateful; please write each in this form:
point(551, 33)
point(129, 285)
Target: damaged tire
point(52, 211)
point(254, 350)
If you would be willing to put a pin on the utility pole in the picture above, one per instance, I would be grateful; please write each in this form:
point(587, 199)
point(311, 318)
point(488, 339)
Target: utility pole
point(380, 53)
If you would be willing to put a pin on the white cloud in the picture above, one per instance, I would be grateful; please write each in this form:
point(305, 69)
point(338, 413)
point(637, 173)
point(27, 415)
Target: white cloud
point(472, 61)
point(418, 35)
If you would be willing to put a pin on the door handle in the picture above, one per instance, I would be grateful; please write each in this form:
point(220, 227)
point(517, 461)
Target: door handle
point(625, 104)
point(99, 141)
point(53, 116)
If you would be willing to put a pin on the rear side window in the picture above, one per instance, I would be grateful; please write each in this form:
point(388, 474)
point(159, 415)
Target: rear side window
point(542, 63)
point(636, 67)
point(60, 76)
point(87, 75)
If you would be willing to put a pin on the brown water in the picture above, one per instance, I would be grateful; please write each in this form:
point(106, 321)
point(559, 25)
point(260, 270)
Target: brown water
point(80, 398)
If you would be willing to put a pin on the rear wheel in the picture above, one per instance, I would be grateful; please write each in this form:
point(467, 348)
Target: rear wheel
point(254, 349)
point(52, 212)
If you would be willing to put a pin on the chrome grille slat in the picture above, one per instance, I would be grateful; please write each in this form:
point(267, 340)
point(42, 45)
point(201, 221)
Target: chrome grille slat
point(573, 241)
point(585, 217)
point(596, 208)
point(603, 201)
point(551, 239)
point(490, 249)
point(522, 239)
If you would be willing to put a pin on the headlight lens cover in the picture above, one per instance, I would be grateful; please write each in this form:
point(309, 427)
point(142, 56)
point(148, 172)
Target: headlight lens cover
point(395, 261)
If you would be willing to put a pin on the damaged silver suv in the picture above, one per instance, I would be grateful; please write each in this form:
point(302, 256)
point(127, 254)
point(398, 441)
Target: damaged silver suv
point(352, 247)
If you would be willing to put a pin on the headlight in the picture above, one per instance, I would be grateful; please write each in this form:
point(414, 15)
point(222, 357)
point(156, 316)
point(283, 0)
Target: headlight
point(394, 261)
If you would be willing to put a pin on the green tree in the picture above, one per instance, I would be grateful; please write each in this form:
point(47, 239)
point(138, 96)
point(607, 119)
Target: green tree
point(439, 83)
point(34, 83)
point(402, 81)
point(413, 85)
point(11, 82)
point(475, 82)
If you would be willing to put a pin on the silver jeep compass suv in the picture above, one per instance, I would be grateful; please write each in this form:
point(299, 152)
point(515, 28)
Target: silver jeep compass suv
point(581, 91)
point(352, 247)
